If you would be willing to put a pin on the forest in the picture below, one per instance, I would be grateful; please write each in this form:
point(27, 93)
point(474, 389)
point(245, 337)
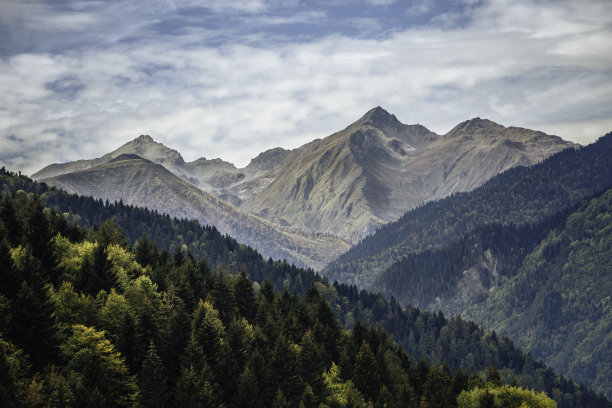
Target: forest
point(554, 272)
point(93, 293)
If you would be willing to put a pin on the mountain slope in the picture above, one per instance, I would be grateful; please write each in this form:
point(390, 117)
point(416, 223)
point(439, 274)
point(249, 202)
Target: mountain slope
point(558, 306)
point(356, 180)
point(140, 182)
point(463, 273)
point(519, 195)
point(211, 175)
point(544, 285)
point(372, 172)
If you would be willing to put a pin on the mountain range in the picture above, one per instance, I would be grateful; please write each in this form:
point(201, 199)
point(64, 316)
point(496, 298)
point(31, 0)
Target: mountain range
point(345, 185)
point(130, 178)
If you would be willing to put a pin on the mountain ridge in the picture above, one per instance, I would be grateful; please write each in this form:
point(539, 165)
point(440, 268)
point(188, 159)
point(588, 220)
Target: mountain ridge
point(517, 195)
point(355, 180)
point(142, 182)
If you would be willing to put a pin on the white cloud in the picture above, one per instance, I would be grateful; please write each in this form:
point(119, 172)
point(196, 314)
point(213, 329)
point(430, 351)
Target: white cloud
point(517, 63)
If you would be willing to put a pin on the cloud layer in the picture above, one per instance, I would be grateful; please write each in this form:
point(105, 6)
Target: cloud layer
point(79, 79)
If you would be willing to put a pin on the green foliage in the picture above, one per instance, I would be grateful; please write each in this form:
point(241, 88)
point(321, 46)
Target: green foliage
point(97, 374)
point(557, 306)
point(152, 381)
point(504, 397)
point(214, 348)
point(341, 393)
point(12, 370)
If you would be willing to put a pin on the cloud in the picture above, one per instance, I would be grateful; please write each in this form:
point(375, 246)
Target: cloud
point(217, 91)
point(380, 2)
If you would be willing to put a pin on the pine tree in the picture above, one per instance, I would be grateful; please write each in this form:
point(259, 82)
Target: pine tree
point(152, 381)
point(283, 372)
point(96, 372)
point(208, 331)
point(33, 326)
point(174, 330)
point(197, 389)
point(244, 295)
point(312, 365)
point(247, 392)
point(437, 388)
point(222, 296)
point(365, 375)
point(492, 377)
point(96, 274)
point(385, 398)
point(9, 376)
point(10, 280)
point(13, 224)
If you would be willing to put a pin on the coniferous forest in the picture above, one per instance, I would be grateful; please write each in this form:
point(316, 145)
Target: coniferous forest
point(93, 315)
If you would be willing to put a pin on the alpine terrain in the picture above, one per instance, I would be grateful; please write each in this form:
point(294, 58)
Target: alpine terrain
point(347, 184)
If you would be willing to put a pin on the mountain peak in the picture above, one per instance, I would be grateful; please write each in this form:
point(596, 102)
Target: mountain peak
point(147, 148)
point(268, 159)
point(476, 126)
point(378, 117)
point(144, 138)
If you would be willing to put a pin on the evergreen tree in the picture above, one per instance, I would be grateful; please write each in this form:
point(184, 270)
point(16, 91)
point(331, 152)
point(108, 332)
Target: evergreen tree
point(437, 388)
point(9, 375)
point(385, 398)
point(173, 334)
point(244, 295)
point(146, 252)
point(222, 296)
point(283, 373)
point(312, 365)
point(247, 391)
point(208, 331)
point(96, 372)
point(152, 381)
point(97, 275)
point(33, 327)
point(365, 375)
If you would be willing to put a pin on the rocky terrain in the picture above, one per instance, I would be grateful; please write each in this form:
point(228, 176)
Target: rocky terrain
point(141, 182)
point(353, 181)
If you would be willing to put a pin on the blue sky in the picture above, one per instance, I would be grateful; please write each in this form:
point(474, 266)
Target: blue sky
point(230, 79)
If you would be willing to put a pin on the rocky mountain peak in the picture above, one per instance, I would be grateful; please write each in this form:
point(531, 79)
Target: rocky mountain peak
point(378, 117)
point(144, 139)
point(268, 159)
point(147, 148)
point(476, 126)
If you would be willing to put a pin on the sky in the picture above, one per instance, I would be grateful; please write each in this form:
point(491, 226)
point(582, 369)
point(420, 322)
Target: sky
point(231, 79)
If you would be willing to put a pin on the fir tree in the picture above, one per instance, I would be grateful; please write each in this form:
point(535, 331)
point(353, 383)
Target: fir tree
point(152, 381)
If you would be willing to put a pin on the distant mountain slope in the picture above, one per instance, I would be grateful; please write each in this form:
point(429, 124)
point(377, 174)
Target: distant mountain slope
point(464, 272)
point(519, 195)
point(558, 305)
point(212, 175)
point(353, 181)
point(544, 285)
point(141, 182)
point(372, 172)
